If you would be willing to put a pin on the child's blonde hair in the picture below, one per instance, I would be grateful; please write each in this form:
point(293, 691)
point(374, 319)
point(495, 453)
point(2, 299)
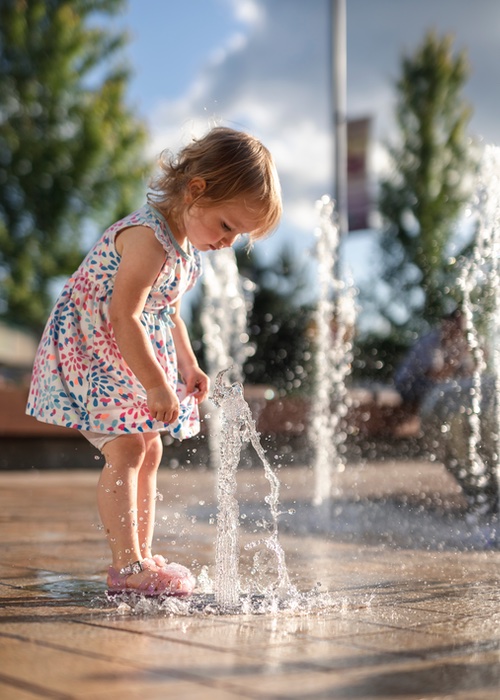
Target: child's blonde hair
point(233, 165)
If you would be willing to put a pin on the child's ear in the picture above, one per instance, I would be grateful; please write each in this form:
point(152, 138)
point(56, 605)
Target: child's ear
point(195, 189)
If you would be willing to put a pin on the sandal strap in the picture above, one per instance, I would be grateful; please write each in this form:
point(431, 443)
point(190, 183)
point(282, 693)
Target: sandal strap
point(134, 568)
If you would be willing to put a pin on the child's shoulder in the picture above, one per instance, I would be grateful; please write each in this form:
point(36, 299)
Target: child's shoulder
point(136, 218)
point(145, 216)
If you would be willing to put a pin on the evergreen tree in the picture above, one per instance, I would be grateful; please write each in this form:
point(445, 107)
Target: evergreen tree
point(279, 322)
point(70, 148)
point(431, 171)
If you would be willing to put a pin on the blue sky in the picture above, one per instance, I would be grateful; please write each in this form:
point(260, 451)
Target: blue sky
point(171, 40)
point(263, 65)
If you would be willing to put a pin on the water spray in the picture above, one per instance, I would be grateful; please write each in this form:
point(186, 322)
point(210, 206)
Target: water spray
point(237, 428)
point(334, 319)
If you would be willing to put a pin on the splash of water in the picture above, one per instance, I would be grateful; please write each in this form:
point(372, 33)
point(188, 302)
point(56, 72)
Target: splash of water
point(224, 319)
point(224, 316)
point(483, 325)
point(281, 597)
point(238, 427)
point(334, 320)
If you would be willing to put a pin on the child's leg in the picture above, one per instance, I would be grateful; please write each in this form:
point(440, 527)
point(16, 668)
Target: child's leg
point(117, 497)
point(147, 490)
point(126, 502)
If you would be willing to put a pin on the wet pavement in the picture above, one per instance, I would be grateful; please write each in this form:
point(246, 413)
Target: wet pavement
point(404, 605)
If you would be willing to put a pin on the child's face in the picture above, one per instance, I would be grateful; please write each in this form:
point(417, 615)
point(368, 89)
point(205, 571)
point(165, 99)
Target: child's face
point(218, 226)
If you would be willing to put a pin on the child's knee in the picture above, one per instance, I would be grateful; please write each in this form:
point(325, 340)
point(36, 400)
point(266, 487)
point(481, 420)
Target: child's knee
point(154, 451)
point(129, 448)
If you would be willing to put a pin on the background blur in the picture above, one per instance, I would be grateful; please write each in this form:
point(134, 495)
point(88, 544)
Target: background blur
point(90, 93)
point(264, 65)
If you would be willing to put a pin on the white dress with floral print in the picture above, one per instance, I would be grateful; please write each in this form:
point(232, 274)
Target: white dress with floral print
point(80, 380)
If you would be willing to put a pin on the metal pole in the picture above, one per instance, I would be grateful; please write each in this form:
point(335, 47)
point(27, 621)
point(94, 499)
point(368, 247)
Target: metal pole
point(339, 61)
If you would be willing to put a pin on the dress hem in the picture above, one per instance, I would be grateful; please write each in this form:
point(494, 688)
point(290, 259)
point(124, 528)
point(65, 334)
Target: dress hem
point(129, 431)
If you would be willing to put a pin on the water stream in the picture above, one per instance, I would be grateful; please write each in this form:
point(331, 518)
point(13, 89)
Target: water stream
point(238, 428)
point(224, 319)
point(483, 325)
point(461, 418)
point(334, 321)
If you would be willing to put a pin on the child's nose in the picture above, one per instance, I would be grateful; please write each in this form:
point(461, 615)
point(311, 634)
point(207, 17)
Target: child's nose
point(227, 241)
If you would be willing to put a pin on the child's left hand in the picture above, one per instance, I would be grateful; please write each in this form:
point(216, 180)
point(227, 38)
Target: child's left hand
point(197, 383)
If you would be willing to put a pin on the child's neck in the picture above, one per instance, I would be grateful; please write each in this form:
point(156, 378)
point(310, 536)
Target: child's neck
point(177, 232)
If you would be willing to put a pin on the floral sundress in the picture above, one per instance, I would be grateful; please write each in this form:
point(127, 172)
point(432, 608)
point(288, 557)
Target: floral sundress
point(80, 379)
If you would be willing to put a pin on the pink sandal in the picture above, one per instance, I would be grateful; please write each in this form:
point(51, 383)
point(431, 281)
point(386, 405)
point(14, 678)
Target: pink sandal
point(170, 580)
point(181, 577)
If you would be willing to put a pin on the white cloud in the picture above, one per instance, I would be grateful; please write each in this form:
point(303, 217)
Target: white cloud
point(249, 12)
point(236, 42)
point(302, 214)
point(271, 76)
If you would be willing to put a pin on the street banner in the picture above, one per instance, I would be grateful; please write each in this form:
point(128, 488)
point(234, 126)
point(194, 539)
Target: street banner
point(358, 201)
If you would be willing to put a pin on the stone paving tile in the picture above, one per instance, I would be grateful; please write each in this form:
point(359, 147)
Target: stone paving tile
point(404, 623)
point(8, 691)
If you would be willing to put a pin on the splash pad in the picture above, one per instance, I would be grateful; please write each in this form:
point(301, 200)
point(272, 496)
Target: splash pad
point(382, 521)
point(228, 594)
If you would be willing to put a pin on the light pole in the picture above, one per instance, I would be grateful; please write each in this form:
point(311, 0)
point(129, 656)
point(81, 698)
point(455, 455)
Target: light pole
point(339, 110)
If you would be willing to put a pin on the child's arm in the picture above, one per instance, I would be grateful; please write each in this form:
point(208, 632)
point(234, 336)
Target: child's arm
point(196, 380)
point(142, 257)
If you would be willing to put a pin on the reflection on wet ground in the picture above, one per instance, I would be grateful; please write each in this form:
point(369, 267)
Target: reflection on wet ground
point(400, 595)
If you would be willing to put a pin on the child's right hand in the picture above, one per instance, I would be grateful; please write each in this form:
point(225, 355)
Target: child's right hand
point(163, 404)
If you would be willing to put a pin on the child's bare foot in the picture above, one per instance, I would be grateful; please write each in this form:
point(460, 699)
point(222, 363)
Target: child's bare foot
point(148, 579)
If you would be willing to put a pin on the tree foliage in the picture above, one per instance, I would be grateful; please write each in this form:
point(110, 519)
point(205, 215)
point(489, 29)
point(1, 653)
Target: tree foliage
point(279, 323)
point(70, 148)
point(429, 183)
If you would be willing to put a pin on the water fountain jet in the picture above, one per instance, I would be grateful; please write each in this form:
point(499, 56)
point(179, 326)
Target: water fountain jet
point(334, 320)
point(224, 319)
point(468, 412)
point(238, 427)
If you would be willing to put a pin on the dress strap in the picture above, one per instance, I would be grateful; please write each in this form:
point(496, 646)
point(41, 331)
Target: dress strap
point(186, 254)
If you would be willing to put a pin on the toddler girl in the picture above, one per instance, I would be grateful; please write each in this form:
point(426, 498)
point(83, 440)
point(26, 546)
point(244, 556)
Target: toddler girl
point(115, 360)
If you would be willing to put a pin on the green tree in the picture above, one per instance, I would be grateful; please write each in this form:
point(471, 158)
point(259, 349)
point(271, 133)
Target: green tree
point(71, 151)
point(430, 182)
point(280, 322)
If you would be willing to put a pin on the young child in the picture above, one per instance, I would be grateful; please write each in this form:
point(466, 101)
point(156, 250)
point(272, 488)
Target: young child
point(115, 360)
